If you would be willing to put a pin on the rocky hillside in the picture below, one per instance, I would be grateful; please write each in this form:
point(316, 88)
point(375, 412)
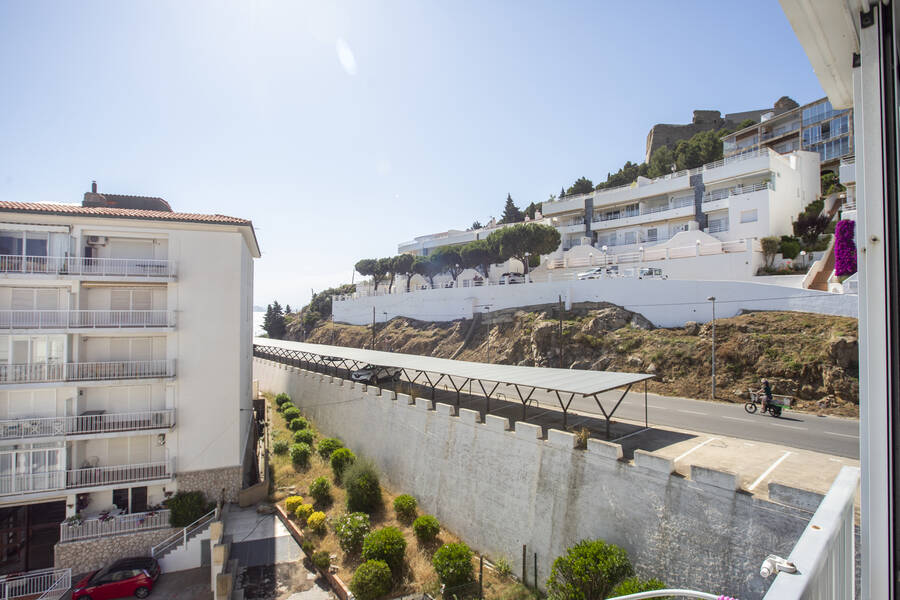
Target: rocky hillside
point(809, 356)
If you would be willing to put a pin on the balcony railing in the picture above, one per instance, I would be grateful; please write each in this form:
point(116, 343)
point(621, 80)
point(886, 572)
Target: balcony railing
point(86, 371)
point(11, 429)
point(113, 525)
point(735, 191)
point(85, 319)
point(24, 483)
point(95, 267)
point(43, 583)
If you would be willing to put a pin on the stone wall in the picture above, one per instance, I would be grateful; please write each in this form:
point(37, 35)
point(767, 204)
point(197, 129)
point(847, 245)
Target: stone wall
point(89, 555)
point(499, 489)
point(212, 481)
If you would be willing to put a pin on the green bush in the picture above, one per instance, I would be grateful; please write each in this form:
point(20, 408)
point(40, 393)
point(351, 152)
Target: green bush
point(300, 454)
point(340, 460)
point(316, 522)
point(371, 580)
point(453, 564)
point(282, 398)
point(307, 547)
point(327, 446)
point(633, 585)
point(187, 507)
point(426, 528)
point(291, 503)
point(350, 530)
point(320, 490)
point(286, 406)
point(589, 571)
point(387, 544)
point(321, 560)
point(291, 413)
point(303, 512)
point(298, 424)
point(405, 507)
point(501, 565)
point(280, 447)
point(363, 490)
point(303, 436)
point(790, 247)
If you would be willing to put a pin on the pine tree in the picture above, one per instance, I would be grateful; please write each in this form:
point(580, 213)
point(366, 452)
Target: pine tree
point(511, 212)
point(273, 322)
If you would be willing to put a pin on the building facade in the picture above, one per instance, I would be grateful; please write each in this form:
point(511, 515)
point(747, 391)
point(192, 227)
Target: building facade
point(125, 352)
point(814, 127)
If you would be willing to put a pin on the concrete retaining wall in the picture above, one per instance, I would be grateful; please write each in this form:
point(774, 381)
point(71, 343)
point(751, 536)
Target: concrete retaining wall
point(88, 555)
point(498, 489)
point(667, 303)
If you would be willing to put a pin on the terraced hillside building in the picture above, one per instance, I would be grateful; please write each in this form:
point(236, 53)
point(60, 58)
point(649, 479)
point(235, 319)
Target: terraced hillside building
point(125, 366)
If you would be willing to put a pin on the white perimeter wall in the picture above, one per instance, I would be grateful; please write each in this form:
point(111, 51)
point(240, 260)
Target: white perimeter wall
point(499, 489)
point(667, 303)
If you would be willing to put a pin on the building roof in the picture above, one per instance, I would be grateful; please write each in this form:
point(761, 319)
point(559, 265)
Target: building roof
point(571, 381)
point(76, 210)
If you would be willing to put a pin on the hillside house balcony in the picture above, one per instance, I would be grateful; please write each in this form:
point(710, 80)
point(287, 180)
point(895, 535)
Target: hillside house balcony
point(85, 478)
point(86, 371)
point(79, 266)
point(86, 319)
point(113, 524)
point(714, 195)
point(87, 423)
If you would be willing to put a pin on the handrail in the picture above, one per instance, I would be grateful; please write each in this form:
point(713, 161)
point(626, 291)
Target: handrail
point(59, 588)
point(181, 537)
point(29, 427)
point(31, 583)
point(85, 371)
point(60, 479)
point(65, 319)
point(114, 525)
point(80, 265)
point(670, 592)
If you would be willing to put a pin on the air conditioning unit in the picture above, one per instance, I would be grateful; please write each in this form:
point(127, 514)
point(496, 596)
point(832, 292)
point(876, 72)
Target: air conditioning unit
point(96, 240)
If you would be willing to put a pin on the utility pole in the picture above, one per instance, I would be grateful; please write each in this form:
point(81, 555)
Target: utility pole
point(713, 300)
point(332, 328)
point(373, 328)
point(561, 363)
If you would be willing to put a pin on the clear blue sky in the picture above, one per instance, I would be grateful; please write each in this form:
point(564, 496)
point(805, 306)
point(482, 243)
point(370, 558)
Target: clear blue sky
point(342, 129)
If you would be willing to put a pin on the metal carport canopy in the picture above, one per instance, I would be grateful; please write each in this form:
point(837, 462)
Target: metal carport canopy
point(572, 381)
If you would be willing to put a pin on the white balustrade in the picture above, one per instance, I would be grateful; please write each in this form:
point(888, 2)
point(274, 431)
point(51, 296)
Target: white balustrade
point(85, 319)
point(85, 424)
point(113, 525)
point(78, 265)
point(43, 583)
point(23, 483)
point(86, 371)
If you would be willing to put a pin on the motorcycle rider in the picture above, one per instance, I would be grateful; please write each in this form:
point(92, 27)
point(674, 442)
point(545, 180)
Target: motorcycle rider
point(766, 390)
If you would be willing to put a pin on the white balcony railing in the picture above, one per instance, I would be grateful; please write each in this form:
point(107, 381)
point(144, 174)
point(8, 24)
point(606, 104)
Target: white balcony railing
point(113, 525)
point(85, 319)
point(43, 583)
point(735, 191)
point(825, 554)
point(95, 267)
point(11, 429)
point(86, 371)
point(24, 483)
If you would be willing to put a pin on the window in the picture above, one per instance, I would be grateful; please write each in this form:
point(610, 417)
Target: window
point(33, 243)
point(651, 235)
point(630, 237)
point(749, 216)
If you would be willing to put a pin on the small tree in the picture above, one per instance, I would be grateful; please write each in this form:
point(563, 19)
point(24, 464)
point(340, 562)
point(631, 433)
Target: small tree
point(528, 238)
point(403, 266)
point(476, 225)
point(582, 185)
point(447, 259)
point(365, 267)
point(427, 268)
point(371, 580)
point(511, 212)
point(383, 266)
point(809, 226)
point(770, 247)
point(273, 321)
point(479, 255)
point(589, 571)
point(453, 563)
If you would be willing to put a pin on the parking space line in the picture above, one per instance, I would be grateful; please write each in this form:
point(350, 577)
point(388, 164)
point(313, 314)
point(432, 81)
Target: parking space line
point(697, 447)
point(631, 434)
point(856, 437)
point(768, 471)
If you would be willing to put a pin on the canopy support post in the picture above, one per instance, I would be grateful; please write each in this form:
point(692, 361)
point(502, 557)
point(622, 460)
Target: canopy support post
point(487, 396)
point(646, 419)
point(565, 406)
point(458, 388)
point(613, 411)
point(525, 400)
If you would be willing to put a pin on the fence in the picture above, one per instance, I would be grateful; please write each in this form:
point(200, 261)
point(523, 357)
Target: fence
point(92, 476)
point(77, 265)
point(113, 525)
point(87, 371)
point(82, 424)
point(65, 319)
point(43, 583)
point(181, 537)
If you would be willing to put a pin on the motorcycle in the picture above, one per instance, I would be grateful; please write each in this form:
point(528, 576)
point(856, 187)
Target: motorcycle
point(772, 407)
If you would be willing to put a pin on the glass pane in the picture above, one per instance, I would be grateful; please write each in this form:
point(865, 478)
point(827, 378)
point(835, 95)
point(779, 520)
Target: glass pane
point(36, 247)
point(11, 243)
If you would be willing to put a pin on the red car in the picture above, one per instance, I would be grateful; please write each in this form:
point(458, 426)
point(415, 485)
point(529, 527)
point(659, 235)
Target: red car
point(125, 577)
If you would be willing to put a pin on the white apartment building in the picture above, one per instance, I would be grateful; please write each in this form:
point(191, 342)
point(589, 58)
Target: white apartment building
point(125, 364)
point(750, 196)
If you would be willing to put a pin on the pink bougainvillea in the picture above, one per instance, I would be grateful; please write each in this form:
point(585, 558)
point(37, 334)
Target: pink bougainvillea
point(844, 249)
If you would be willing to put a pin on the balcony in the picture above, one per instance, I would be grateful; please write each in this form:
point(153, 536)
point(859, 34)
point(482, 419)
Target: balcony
point(113, 525)
point(86, 371)
point(715, 195)
point(85, 424)
point(48, 481)
point(86, 319)
point(87, 267)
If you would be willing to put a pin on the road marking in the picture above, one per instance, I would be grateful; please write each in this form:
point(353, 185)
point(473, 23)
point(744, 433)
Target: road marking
point(658, 407)
point(738, 419)
point(788, 426)
point(856, 437)
point(768, 471)
point(749, 444)
point(631, 434)
point(835, 460)
point(693, 412)
point(697, 447)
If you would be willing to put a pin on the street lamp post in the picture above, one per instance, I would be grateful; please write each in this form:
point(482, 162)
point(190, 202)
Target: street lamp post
point(713, 300)
point(803, 258)
point(605, 259)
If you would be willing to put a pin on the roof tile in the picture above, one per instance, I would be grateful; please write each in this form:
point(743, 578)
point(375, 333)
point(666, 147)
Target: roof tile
point(101, 211)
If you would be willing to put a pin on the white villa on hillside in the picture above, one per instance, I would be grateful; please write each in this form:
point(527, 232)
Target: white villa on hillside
point(124, 367)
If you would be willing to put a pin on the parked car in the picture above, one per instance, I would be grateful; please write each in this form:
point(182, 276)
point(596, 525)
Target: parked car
point(511, 278)
point(594, 273)
point(373, 374)
point(650, 272)
point(125, 577)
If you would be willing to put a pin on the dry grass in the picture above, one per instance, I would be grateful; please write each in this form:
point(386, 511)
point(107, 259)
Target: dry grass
point(419, 575)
